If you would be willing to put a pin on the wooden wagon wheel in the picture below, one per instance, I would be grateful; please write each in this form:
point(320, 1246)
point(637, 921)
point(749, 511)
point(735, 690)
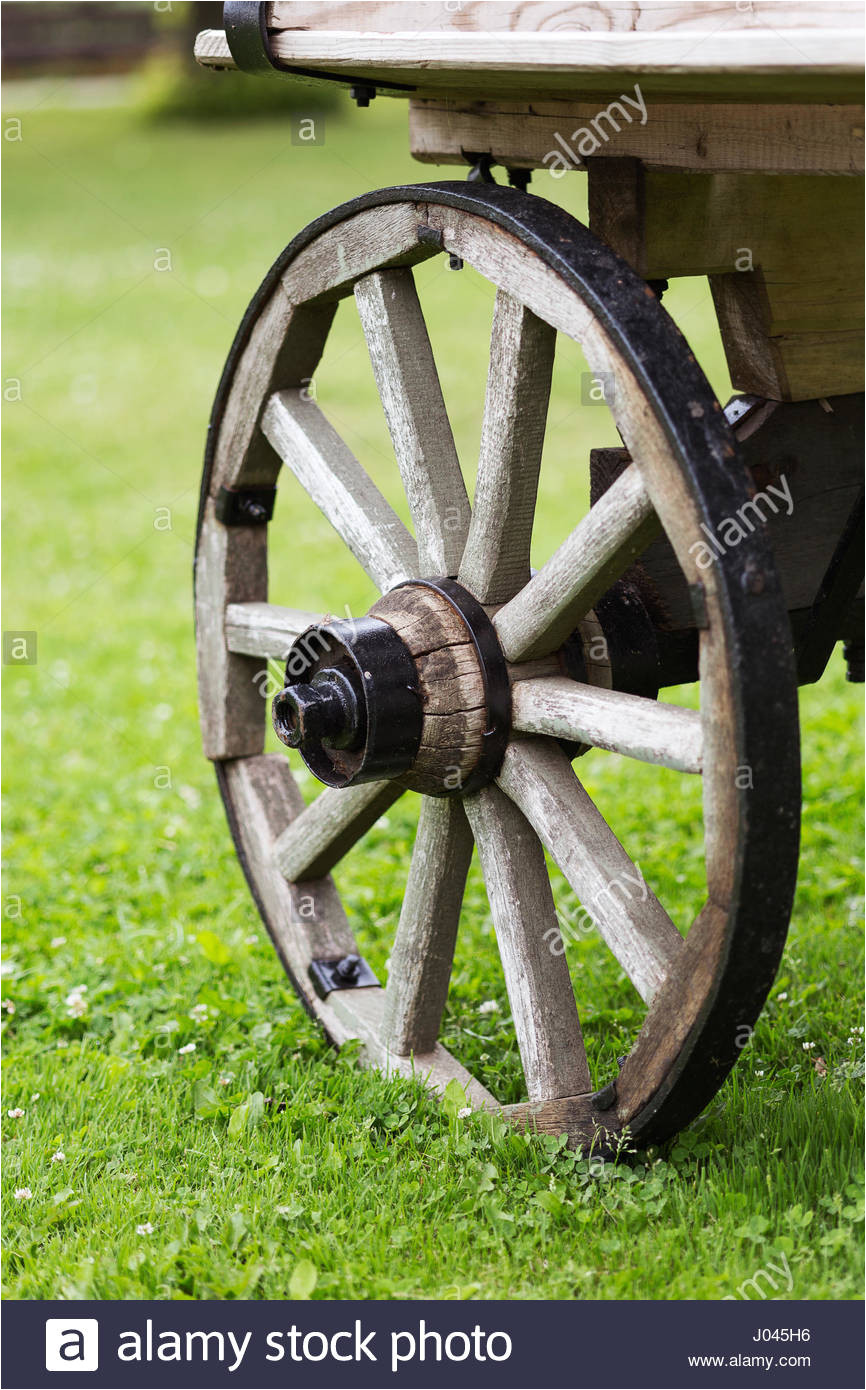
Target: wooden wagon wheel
point(467, 690)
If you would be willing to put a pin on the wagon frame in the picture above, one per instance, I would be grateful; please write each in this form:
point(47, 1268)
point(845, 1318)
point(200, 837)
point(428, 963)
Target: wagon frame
point(472, 679)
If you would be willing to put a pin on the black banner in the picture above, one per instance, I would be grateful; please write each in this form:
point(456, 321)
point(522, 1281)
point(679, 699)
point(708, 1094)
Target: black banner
point(528, 1346)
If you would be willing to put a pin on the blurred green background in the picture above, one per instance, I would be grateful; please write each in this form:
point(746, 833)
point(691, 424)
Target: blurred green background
point(140, 216)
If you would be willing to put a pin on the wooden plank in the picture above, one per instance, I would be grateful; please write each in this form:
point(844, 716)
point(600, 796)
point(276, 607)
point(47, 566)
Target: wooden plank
point(495, 563)
point(555, 17)
point(539, 779)
point(318, 838)
point(684, 49)
point(265, 629)
point(791, 315)
point(420, 430)
point(539, 986)
point(423, 949)
point(328, 470)
point(231, 567)
point(599, 549)
point(666, 735)
point(702, 137)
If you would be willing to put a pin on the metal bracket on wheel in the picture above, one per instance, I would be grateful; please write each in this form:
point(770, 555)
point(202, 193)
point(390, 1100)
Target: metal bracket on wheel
point(350, 972)
point(245, 506)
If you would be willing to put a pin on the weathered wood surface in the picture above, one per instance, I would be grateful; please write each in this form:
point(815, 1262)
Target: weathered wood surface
point(599, 549)
point(266, 798)
point(772, 50)
point(231, 567)
point(423, 948)
point(784, 256)
point(345, 494)
point(451, 687)
point(527, 930)
point(495, 563)
point(284, 347)
point(706, 137)
point(639, 728)
point(318, 838)
point(265, 629)
point(420, 430)
point(538, 777)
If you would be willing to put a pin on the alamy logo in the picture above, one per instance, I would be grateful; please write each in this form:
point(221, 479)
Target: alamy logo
point(71, 1344)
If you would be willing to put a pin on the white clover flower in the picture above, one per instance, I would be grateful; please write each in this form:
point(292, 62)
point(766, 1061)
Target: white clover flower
point(188, 1047)
point(808, 1046)
point(145, 1229)
point(464, 1112)
point(759, 1073)
point(22, 1194)
point(16, 1114)
point(56, 942)
point(36, 1095)
point(59, 1157)
point(489, 1006)
point(225, 1079)
point(76, 1004)
point(9, 1006)
point(199, 1013)
point(782, 997)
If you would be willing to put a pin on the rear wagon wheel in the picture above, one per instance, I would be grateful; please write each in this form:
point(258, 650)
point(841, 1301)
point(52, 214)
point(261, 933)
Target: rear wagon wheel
point(472, 679)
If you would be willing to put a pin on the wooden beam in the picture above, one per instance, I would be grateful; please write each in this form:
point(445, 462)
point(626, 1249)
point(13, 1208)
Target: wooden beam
point(705, 137)
point(784, 256)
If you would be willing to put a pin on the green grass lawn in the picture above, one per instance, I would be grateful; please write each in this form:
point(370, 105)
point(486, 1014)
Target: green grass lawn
point(259, 1163)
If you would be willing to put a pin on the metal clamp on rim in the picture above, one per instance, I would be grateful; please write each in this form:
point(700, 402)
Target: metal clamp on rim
point(246, 27)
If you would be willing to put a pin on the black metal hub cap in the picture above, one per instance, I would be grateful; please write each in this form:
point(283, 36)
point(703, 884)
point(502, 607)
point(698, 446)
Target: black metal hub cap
point(353, 704)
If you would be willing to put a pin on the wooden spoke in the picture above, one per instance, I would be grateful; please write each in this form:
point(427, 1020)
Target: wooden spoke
point(420, 430)
point(539, 779)
point(496, 560)
point(326, 830)
point(530, 944)
point(337, 483)
point(424, 945)
point(599, 549)
point(644, 729)
point(265, 629)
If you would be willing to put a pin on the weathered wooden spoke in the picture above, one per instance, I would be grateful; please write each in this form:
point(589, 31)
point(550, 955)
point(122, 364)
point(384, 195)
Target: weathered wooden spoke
point(630, 724)
point(470, 690)
point(265, 629)
point(536, 974)
point(598, 551)
point(495, 563)
point(420, 430)
point(424, 946)
point(310, 446)
point(611, 888)
point(327, 829)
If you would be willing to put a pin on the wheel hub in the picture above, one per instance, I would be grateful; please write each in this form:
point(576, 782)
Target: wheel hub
point(418, 689)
